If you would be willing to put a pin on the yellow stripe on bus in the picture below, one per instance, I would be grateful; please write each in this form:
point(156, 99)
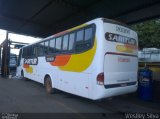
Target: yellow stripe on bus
point(80, 62)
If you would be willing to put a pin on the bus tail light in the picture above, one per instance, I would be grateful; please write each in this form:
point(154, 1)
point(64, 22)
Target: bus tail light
point(100, 78)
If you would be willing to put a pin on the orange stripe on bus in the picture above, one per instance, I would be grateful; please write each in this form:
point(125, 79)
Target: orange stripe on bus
point(25, 65)
point(61, 33)
point(134, 47)
point(61, 60)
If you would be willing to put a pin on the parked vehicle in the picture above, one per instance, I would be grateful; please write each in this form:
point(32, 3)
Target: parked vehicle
point(13, 61)
point(97, 59)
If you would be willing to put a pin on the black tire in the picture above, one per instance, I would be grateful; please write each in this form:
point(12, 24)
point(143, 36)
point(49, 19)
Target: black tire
point(48, 85)
point(23, 78)
point(22, 74)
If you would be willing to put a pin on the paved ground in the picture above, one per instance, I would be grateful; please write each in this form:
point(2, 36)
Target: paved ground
point(30, 97)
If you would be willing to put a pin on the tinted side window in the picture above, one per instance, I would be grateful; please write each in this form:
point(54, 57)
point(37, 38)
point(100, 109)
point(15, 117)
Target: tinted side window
point(24, 52)
point(52, 46)
point(88, 34)
point(31, 50)
point(87, 38)
point(41, 48)
point(36, 49)
point(19, 57)
point(71, 41)
point(46, 44)
point(65, 42)
point(28, 51)
point(80, 35)
point(58, 44)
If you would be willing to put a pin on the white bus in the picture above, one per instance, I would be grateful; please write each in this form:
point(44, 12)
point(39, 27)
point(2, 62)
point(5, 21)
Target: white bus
point(95, 60)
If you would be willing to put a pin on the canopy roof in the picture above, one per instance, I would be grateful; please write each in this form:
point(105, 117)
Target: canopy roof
point(45, 17)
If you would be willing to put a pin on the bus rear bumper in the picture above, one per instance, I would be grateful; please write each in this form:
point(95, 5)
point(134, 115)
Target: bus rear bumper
point(111, 92)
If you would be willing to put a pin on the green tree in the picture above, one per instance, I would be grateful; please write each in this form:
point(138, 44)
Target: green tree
point(148, 33)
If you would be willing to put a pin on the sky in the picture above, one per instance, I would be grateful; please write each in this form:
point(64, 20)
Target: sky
point(17, 38)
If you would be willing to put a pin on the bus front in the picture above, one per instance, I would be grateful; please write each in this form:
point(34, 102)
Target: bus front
point(120, 59)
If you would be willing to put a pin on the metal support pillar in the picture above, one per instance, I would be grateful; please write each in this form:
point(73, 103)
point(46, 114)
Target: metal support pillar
point(5, 57)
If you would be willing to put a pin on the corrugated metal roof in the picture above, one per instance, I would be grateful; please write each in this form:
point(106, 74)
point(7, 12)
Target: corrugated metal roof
point(45, 17)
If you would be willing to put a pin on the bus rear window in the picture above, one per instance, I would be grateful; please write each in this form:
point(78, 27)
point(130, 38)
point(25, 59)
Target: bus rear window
point(120, 39)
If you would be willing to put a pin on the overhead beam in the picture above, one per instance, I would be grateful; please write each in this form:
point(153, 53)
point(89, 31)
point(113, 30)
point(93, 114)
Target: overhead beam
point(20, 20)
point(42, 17)
point(120, 16)
point(37, 13)
point(137, 15)
point(83, 13)
point(67, 4)
point(18, 43)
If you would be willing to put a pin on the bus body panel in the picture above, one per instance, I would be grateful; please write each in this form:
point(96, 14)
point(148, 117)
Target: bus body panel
point(75, 83)
point(97, 64)
point(120, 72)
point(101, 92)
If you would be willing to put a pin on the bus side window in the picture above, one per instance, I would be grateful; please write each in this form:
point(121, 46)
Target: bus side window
point(31, 51)
point(58, 44)
point(19, 57)
point(79, 41)
point(27, 54)
point(23, 53)
point(52, 46)
point(88, 34)
point(34, 48)
point(41, 48)
point(84, 39)
point(46, 45)
point(79, 36)
point(88, 38)
point(65, 42)
point(38, 49)
point(71, 41)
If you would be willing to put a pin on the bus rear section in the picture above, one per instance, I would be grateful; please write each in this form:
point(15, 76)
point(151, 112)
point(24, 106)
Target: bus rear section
point(120, 60)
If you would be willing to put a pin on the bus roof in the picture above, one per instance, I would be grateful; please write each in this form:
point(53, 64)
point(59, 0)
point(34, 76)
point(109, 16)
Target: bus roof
point(101, 18)
point(116, 22)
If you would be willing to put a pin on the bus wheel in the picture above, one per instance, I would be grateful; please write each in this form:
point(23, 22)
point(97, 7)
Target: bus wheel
point(48, 85)
point(22, 75)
